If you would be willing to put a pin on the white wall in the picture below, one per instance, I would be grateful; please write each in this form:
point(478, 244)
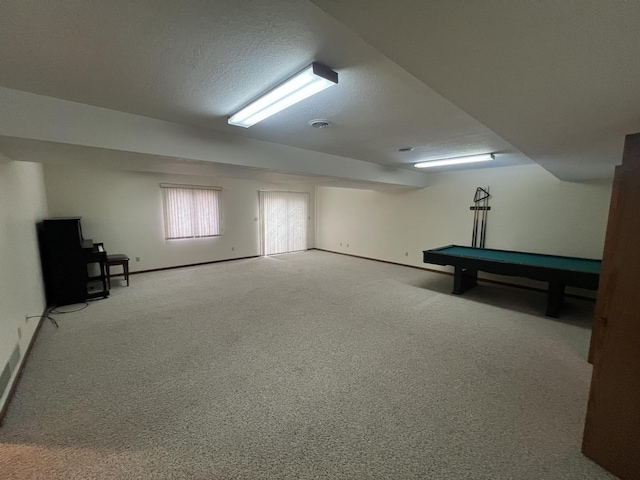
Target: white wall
point(22, 205)
point(531, 211)
point(124, 211)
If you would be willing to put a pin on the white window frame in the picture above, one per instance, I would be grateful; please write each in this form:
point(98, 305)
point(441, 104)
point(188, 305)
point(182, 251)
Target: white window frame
point(199, 204)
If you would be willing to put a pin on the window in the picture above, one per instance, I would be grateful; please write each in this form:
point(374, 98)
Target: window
point(191, 211)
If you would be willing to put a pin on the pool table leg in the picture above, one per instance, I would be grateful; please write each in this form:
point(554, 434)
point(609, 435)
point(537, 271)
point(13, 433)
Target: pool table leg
point(555, 296)
point(463, 280)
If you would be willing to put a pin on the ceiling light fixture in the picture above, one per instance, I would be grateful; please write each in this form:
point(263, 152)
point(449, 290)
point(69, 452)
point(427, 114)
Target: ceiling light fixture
point(313, 79)
point(455, 161)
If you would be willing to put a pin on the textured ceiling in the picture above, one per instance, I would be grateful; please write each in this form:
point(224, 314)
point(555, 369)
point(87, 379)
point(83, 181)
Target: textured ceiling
point(557, 82)
point(560, 80)
point(196, 62)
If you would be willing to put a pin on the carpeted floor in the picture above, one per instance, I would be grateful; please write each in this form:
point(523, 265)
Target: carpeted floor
point(311, 365)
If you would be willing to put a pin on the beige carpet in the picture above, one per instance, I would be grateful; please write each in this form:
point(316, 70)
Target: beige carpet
point(311, 365)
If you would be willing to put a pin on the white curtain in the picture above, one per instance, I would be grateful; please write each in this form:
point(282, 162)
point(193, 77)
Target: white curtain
point(191, 212)
point(283, 217)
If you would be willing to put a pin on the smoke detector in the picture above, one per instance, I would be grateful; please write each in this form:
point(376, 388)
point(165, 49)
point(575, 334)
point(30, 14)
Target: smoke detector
point(319, 123)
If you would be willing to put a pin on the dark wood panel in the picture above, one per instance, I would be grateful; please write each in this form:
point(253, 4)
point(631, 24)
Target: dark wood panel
point(607, 286)
point(612, 426)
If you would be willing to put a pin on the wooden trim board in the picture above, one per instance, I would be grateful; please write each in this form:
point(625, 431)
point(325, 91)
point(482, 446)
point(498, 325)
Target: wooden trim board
point(188, 265)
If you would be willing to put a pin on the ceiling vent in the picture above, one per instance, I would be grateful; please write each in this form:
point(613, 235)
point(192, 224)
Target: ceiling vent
point(319, 123)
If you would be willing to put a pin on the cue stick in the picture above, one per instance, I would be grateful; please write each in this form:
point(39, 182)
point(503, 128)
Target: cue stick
point(482, 223)
point(485, 209)
point(474, 236)
point(486, 218)
point(483, 216)
point(473, 232)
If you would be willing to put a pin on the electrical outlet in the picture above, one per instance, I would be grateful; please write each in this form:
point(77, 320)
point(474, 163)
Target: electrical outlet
point(137, 259)
point(233, 249)
point(340, 243)
point(406, 254)
point(347, 245)
point(19, 333)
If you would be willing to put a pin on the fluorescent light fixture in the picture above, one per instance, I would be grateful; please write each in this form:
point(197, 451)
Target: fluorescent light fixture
point(455, 161)
point(311, 80)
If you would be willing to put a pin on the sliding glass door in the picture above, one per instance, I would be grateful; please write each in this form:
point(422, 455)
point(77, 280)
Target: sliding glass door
point(283, 221)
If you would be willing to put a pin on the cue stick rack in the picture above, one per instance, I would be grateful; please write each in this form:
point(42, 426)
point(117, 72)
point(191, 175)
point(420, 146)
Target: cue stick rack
point(480, 210)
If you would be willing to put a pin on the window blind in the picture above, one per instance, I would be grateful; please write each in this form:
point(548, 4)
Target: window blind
point(283, 221)
point(191, 211)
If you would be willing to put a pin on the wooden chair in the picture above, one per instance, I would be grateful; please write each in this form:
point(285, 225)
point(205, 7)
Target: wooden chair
point(114, 260)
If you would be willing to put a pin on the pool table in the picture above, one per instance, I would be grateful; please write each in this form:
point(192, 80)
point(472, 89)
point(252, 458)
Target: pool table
point(558, 271)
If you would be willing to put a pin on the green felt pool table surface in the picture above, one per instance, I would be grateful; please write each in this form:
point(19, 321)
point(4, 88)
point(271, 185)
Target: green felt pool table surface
point(586, 265)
